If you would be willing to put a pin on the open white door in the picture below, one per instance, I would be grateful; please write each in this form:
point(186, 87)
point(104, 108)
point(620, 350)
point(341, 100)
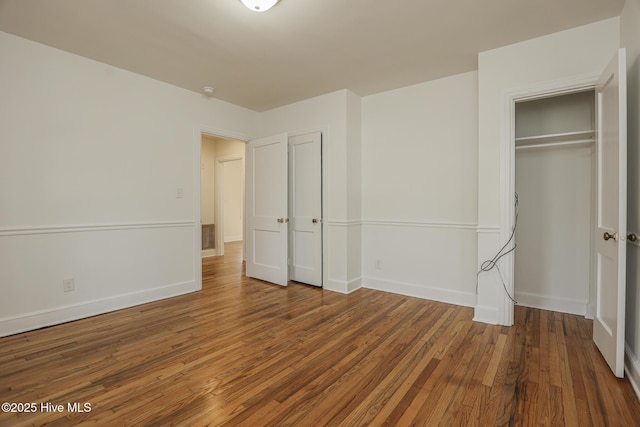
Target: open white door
point(267, 222)
point(305, 186)
point(611, 220)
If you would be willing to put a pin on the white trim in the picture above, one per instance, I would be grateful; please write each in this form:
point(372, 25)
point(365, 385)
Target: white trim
point(466, 299)
point(486, 314)
point(43, 318)
point(342, 286)
point(488, 229)
point(79, 228)
point(632, 368)
point(207, 253)
point(507, 166)
point(591, 310)
point(343, 223)
point(237, 238)
point(546, 89)
point(543, 302)
point(354, 284)
point(422, 224)
point(223, 133)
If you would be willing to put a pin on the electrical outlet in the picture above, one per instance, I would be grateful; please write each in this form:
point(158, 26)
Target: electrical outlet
point(378, 264)
point(68, 285)
point(179, 193)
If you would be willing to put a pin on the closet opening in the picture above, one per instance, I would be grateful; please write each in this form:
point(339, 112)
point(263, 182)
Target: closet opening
point(554, 262)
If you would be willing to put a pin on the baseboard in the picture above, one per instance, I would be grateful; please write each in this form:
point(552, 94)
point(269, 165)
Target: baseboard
point(421, 291)
point(485, 314)
point(354, 284)
point(41, 319)
point(228, 239)
point(591, 311)
point(562, 305)
point(206, 253)
point(632, 368)
point(342, 286)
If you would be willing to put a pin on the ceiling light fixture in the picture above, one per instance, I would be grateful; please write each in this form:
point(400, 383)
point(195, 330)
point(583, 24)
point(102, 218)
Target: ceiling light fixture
point(259, 5)
point(208, 90)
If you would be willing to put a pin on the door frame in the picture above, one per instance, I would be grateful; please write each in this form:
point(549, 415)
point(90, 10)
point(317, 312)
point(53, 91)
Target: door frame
point(507, 172)
point(198, 131)
point(218, 199)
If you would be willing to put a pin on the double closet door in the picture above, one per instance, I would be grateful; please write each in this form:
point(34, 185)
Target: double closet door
point(284, 209)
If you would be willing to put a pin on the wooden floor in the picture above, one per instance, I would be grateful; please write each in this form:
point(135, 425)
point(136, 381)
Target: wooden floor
point(244, 352)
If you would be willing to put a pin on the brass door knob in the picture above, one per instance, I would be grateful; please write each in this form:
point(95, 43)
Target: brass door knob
point(608, 236)
point(280, 220)
point(314, 220)
point(632, 237)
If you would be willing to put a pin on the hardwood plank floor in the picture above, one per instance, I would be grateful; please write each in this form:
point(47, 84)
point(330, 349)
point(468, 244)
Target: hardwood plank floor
point(244, 352)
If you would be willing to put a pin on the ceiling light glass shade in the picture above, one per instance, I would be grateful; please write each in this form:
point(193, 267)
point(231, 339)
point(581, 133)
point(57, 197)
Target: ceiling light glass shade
point(259, 5)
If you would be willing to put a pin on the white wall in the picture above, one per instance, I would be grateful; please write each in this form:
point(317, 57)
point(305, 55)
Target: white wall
point(557, 114)
point(419, 190)
point(582, 53)
point(337, 116)
point(630, 39)
point(92, 160)
point(553, 255)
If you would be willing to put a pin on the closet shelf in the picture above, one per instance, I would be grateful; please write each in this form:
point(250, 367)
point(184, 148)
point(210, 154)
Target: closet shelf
point(585, 135)
point(581, 142)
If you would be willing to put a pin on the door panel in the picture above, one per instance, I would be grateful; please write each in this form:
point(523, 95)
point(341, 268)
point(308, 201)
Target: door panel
point(267, 237)
point(610, 244)
point(305, 185)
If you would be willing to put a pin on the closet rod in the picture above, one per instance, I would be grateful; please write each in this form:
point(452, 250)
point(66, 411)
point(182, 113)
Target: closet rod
point(556, 135)
point(557, 144)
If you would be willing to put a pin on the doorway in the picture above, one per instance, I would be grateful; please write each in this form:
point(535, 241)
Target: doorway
point(221, 193)
point(229, 198)
point(609, 232)
point(555, 184)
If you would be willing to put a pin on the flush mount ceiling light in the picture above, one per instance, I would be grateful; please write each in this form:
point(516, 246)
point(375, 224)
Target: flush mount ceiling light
point(208, 90)
point(259, 5)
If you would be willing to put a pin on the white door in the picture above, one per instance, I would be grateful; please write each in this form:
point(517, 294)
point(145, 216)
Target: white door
point(266, 189)
point(305, 186)
point(611, 223)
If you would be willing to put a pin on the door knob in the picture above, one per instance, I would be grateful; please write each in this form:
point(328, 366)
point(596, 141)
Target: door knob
point(280, 220)
point(632, 237)
point(314, 220)
point(608, 236)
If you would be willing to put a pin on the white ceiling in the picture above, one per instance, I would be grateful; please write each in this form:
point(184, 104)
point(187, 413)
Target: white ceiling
point(298, 49)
